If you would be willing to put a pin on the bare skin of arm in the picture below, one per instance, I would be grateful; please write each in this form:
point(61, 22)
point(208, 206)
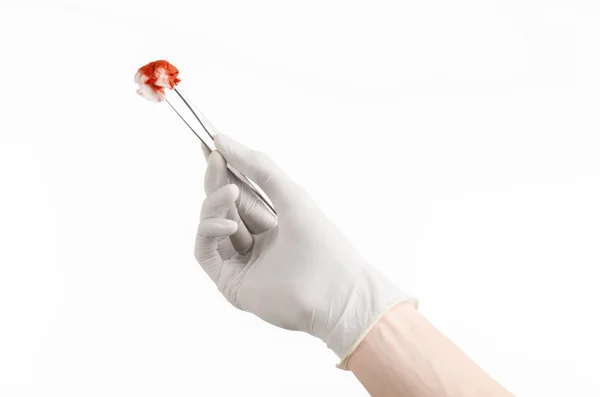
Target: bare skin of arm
point(404, 355)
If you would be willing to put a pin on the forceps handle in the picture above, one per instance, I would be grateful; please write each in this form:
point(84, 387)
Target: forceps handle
point(211, 132)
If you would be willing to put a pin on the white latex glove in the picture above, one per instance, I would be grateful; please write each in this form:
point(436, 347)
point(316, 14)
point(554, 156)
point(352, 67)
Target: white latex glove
point(296, 271)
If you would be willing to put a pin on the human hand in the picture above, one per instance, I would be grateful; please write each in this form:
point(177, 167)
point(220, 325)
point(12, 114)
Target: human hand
point(296, 271)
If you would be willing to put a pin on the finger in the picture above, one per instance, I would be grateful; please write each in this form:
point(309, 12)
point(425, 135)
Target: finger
point(209, 232)
point(258, 167)
point(217, 204)
point(217, 177)
point(216, 173)
point(206, 151)
point(257, 218)
point(215, 225)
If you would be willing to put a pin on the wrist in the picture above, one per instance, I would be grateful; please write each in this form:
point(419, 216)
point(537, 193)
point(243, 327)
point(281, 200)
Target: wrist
point(404, 354)
point(366, 303)
point(383, 335)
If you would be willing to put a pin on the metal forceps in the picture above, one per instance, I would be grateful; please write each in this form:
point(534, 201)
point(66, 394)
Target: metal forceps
point(190, 115)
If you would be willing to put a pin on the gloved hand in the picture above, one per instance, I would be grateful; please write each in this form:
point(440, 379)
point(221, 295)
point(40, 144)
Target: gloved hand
point(296, 271)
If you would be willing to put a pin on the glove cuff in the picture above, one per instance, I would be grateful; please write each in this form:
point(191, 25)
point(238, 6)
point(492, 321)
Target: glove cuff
point(343, 364)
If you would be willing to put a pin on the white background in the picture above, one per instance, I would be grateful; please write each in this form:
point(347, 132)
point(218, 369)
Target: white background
point(455, 142)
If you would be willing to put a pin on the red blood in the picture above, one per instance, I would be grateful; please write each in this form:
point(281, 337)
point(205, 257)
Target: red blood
point(151, 72)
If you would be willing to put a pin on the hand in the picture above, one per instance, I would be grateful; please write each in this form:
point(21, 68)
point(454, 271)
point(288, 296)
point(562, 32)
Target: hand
point(296, 271)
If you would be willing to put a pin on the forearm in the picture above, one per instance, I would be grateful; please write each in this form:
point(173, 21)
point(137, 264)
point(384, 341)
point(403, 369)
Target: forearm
point(404, 355)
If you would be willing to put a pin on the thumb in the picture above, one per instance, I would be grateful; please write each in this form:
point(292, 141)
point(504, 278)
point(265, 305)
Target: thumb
point(258, 167)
